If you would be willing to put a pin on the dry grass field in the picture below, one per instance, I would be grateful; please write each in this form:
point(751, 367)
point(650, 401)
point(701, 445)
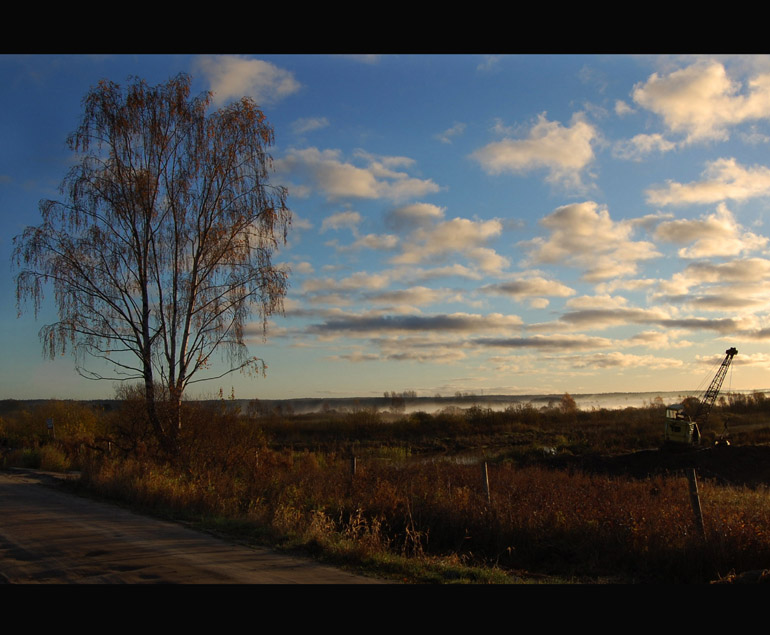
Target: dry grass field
point(461, 495)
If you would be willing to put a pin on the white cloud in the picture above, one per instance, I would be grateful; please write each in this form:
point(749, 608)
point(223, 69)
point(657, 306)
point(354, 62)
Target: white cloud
point(737, 286)
point(360, 281)
point(373, 241)
point(638, 284)
point(413, 296)
point(450, 133)
point(547, 342)
point(642, 145)
point(604, 301)
point(623, 360)
point(447, 271)
point(488, 260)
point(308, 124)
point(416, 214)
point(459, 235)
point(658, 340)
point(376, 179)
point(711, 235)
point(565, 152)
point(489, 63)
point(235, 76)
point(531, 286)
point(351, 220)
point(377, 325)
point(364, 58)
point(701, 102)
point(601, 318)
point(584, 235)
point(340, 220)
point(622, 108)
point(721, 180)
point(743, 270)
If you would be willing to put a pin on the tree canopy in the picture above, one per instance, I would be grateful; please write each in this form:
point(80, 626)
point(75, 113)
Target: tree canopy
point(160, 251)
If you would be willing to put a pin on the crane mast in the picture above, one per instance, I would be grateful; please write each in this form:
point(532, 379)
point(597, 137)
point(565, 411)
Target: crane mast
point(710, 396)
point(680, 429)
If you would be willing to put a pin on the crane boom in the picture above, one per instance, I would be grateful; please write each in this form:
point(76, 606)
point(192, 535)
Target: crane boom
point(683, 430)
point(710, 396)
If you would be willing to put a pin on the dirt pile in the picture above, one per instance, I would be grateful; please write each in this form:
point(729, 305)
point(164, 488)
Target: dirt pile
point(732, 465)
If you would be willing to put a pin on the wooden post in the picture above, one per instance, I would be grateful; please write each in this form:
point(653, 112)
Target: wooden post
point(485, 479)
point(352, 466)
point(695, 502)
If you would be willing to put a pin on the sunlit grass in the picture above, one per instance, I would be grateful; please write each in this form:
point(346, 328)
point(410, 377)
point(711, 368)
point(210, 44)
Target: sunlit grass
point(409, 515)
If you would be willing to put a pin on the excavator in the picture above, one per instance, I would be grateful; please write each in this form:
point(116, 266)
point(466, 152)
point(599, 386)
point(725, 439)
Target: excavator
point(685, 430)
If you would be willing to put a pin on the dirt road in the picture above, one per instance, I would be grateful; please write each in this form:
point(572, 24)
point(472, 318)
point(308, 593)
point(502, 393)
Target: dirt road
point(50, 536)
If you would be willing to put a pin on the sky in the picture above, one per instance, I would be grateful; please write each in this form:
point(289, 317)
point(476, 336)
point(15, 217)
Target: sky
point(487, 224)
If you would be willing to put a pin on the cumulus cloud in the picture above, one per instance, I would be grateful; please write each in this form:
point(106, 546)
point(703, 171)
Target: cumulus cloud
point(430, 353)
point(602, 301)
point(602, 318)
point(309, 124)
point(735, 298)
point(236, 76)
point(303, 268)
point(741, 270)
point(357, 282)
point(356, 357)
point(530, 287)
point(658, 340)
point(564, 151)
point(413, 296)
point(642, 145)
point(584, 235)
point(701, 102)
point(635, 284)
point(377, 178)
point(351, 220)
point(373, 241)
point(414, 215)
point(451, 133)
point(420, 274)
point(547, 342)
point(459, 235)
point(716, 234)
point(622, 108)
point(736, 286)
point(374, 324)
point(721, 180)
point(341, 220)
point(599, 317)
point(624, 360)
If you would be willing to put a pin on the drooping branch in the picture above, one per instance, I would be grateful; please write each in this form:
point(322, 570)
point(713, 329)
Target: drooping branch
point(161, 249)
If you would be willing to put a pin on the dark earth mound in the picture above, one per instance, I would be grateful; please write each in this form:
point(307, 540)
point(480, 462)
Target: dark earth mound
point(747, 465)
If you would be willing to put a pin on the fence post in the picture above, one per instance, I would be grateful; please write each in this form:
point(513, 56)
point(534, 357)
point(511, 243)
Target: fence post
point(485, 479)
point(352, 466)
point(695, 502)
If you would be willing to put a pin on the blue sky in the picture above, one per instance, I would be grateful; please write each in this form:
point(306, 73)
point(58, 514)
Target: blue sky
point(478, 223)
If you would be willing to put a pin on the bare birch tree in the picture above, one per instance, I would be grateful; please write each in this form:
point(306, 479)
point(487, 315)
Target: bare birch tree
point(160, 251)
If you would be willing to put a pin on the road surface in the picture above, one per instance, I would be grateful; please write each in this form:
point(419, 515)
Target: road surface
point(51, 536)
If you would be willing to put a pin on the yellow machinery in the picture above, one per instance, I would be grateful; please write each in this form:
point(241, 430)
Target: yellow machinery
point(683, 429)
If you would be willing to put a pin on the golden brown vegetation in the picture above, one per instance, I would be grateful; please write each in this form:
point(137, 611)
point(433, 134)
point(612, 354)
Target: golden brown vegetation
point(287, 480)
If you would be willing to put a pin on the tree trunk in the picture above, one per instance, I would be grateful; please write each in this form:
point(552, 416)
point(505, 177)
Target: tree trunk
point(168, 442)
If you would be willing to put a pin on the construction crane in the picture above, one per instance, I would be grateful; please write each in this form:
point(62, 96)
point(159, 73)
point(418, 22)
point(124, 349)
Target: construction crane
point(681, 429)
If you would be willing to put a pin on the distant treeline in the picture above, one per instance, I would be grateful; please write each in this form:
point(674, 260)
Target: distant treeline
point(408, 400)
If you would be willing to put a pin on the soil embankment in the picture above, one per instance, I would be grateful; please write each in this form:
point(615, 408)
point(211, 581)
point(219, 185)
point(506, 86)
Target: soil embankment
point(747, 465)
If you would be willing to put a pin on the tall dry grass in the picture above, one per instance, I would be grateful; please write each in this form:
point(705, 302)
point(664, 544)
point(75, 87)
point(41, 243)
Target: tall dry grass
point(568, 524)
point(288, 480)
